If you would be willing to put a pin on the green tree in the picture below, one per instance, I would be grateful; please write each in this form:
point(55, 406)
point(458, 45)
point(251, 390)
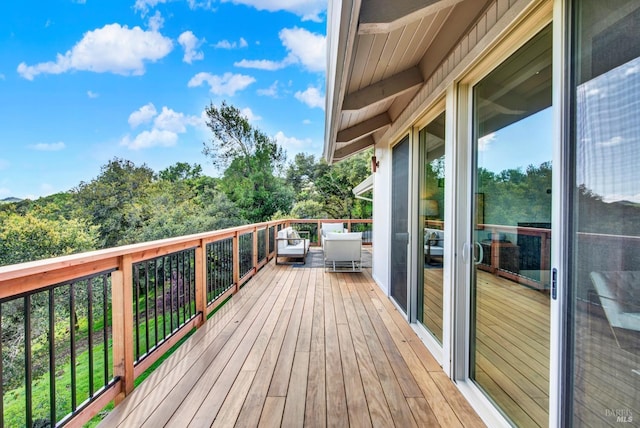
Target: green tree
point(115, 200)
point(27, 237)
point(308, 209)
point(250, 159)
point(181, 171)
point(334, 185)
point(300, 175)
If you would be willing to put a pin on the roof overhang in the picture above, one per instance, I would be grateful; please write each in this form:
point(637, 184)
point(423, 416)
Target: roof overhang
point(379, 56)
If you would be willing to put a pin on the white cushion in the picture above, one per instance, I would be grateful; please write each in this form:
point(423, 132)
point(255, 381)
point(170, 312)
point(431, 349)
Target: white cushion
point(331, 227)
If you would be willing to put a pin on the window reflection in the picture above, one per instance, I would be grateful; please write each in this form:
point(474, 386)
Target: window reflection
point(605, 276)
point(432, 176)
point(512, 232)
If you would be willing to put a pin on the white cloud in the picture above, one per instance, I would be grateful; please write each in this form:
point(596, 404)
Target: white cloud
point(204, 4)
point(309, 10)
point(227, 84)
point(311, 97)
point(112, 48)
point(262, 64)
point(631, 70)
point(226, 44)
point(306, 122)
point(2, 76)
point(250, 115)
point(156, 22)
point(4, 164)
point(292, 144)
point(170, 120)
point(167, 126)
point(303, 47)
point(190, 43)
point(143, 6)
point(143, 115)
point(271, 91)
point(92, 94)
point(614, 141)
point(485, 142)
point(48, 147)
point(153, 138)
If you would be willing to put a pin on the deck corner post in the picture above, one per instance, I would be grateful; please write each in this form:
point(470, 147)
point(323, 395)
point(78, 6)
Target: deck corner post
point(254, 236)
point(236, 262)
point(122, 326)
point(201, 283)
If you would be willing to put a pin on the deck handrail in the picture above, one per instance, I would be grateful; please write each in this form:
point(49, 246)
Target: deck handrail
point(191, 275)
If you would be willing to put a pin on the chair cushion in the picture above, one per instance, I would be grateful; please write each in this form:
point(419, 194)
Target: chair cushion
point(294, 237)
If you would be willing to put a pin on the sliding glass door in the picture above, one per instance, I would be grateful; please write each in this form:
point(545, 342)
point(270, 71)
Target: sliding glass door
point(400, 222)
point(431, 221)
point(604, 274)
point(511, 229)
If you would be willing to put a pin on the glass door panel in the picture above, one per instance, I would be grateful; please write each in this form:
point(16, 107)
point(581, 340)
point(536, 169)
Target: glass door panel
point(431, 215)
point(400, 222)
point(604, 276)
point(511, 218)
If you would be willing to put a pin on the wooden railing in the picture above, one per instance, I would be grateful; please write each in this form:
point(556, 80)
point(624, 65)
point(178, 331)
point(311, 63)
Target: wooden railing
point(503, 257)
point(152, 294)
point(313, 226)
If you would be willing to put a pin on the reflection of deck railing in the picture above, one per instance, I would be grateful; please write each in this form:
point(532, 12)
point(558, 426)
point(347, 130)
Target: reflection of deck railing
point(153, 294)
point(521, 254)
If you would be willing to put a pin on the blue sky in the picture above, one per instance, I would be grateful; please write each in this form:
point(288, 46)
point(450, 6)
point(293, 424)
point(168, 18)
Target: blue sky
point(84, 81)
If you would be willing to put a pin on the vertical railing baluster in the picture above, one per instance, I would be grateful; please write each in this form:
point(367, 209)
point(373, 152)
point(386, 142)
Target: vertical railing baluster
point(155, 297)
point(1, 375)
point(173, 289)
point(27, 361)
point(105, 333)
point(146, 306)
point(136, 309)
point(164, 298)
point(182, 279)
point(90, 327)
point(72, 311)
point(52, 357)
point(191, 291)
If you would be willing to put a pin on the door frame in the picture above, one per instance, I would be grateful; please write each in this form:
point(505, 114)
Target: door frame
point(441, 352)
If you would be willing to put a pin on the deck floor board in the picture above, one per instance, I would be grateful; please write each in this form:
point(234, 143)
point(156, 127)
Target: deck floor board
point(299, 347)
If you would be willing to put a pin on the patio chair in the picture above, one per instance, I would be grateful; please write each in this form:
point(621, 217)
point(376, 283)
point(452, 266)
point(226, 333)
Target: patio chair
point(343, 252)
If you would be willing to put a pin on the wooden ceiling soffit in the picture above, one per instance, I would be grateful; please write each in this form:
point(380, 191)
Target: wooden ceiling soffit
point(384, 16)
point(353, 148)
point(383, 90)
point(364, 128)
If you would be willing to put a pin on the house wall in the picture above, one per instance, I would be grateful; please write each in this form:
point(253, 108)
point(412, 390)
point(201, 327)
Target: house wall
point(382, 219)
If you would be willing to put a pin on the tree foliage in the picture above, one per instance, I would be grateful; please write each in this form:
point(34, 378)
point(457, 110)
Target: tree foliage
point(251, 160)
point(115, 199)
point(30, 237)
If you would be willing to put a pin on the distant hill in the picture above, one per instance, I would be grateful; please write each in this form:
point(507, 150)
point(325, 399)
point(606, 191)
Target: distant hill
point(10, 200)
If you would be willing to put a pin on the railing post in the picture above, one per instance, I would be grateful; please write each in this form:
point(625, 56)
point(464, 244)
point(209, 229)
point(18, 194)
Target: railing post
point(122, 327)
point(236, 261)
point(255, 249)
point(201, 282)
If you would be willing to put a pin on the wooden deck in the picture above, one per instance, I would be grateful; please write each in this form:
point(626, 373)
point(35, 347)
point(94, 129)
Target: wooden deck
point(512, 342)
point(512, 359)
point(300, 347)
